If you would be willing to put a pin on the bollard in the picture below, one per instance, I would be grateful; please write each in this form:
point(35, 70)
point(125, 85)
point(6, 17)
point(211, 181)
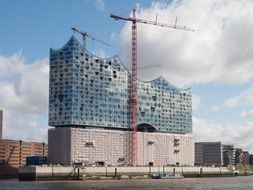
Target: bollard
point(115, 173)
point(200, 172)
point(52, 170)
point(78, 173)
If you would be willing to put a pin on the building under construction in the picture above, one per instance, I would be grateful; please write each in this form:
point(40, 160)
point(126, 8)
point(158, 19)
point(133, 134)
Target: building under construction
point(89, 108)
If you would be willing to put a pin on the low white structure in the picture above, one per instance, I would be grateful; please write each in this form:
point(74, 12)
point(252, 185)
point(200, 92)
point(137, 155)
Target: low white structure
point(111, 147)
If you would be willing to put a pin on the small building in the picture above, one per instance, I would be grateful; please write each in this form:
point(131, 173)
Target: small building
point(218, 154)
point(245, 158)
point(228, 155)
point(208, 154)
point(13, 153)
point(238, 156)
point(251, 159)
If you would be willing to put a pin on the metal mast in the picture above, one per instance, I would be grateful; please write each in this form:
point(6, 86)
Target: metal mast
point(133, 100)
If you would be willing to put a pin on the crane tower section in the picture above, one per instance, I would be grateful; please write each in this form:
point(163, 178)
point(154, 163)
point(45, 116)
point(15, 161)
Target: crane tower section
point(133, 101)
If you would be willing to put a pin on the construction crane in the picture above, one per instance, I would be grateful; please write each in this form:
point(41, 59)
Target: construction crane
point(85, 34)
point(133, 100)
point(10, 154)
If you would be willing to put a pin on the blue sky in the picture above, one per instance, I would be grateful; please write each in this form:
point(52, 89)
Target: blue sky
point(215, 61)
point(34, 26)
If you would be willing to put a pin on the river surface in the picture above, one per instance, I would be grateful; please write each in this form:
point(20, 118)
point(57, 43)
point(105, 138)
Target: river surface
point(221, 183)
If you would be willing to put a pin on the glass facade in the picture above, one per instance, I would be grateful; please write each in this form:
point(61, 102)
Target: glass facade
point(89, 91)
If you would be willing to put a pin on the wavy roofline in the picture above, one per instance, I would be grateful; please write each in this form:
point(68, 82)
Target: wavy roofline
point(160, 77)
point(72, 37)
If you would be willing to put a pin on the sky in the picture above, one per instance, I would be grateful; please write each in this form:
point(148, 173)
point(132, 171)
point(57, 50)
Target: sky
point(215, 61)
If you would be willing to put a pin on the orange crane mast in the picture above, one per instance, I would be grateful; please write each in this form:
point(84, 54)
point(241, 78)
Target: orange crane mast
point(133, 99)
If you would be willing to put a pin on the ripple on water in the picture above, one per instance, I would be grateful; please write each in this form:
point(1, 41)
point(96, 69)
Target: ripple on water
point(226, 183)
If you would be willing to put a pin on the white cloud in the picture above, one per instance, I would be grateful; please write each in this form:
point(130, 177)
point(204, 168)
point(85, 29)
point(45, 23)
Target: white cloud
point(100, 4)
point(24, 97)
point(196, 102)
point(216, 108)
point(219, 51)
point(248, 113)
point(24, 87)
point(245, 98)
point(24, 126)
point(101, 53)
point(239, 135)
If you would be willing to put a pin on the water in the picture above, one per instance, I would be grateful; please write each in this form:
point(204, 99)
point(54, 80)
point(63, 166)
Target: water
point(226, 183)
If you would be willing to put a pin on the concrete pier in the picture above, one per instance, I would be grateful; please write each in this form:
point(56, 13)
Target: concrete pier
point(70, 173)
point(34, 173)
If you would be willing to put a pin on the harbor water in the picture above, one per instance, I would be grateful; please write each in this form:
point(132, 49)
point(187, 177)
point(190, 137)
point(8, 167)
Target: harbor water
point(217, 183)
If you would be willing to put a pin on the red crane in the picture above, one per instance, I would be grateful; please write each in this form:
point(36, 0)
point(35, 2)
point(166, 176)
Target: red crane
point(86, 34)
point(133, 100)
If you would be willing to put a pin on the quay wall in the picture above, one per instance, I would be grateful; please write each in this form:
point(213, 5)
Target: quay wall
point(69, 172)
